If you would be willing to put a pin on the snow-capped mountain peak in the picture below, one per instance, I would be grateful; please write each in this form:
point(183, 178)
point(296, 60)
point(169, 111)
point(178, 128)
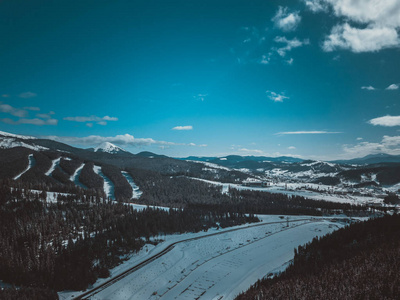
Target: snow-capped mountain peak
point(108, 148)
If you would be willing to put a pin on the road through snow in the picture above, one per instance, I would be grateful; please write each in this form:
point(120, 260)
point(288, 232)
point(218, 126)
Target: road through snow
point(219, 266)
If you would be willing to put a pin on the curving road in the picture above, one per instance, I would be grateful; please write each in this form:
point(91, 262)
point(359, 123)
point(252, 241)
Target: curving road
point(119, 277)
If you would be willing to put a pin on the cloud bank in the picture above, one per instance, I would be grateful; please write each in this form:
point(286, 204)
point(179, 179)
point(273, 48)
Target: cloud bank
point(367, 26)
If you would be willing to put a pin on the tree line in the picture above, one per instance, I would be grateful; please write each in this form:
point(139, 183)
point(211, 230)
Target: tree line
point(356, 262)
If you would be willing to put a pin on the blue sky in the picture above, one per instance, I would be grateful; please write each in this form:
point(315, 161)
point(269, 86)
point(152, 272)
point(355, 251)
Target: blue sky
point(311, 78)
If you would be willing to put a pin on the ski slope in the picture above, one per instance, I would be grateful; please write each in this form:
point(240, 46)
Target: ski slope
point(30, 165)
point(136, 192)
point(108, 184)
point(75, 177)
point(54, 164)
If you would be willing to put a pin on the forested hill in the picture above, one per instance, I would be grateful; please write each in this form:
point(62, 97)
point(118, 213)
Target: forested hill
point(357, 262)
point(54, 166)
point(70, 243)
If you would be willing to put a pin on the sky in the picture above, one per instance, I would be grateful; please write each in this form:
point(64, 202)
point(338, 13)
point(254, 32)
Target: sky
point(314, 79)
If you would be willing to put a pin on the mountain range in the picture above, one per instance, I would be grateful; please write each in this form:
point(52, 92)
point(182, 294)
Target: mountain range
point(58, 165)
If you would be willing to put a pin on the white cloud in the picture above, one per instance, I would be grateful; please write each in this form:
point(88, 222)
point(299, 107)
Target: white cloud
point(44, 116)
point(369, 88)
point(33, 108)
point(358, 40)
point(375, 24)
point(387, 121)
point(290, 44)
point(290, 61)
point(359, 139)
point(125, 139)
point(200, 97)
point(381, 12)
point(122, 140)
point(8, 109)
point(316, 5)
point(27, 95)
point(35, 121)
point(389, 145)
point(89, 125)
point(265, 59)
point(276, 97)
point(251, 151)
point(91, 119)
point(291, 147)
point(286, 21)
point(305, 132)
point(393, 87)
point(188, 127)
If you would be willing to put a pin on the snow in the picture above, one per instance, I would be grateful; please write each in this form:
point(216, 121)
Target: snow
point(30, 165)
point(211, 165)
point(7, 143)
point(136, 192)
point(318, 192)
point(108, 184)
point(140, 207)
point(75, 177)
point(54, 164)
point(23, 137)
point(215, 266)
point(108, 147)
point(51, 196)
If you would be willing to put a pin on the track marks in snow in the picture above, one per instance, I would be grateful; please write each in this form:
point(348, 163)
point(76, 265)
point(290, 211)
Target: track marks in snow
point(30, 165)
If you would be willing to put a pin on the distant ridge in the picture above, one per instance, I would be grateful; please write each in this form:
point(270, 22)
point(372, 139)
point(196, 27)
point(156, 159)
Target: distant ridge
point(371, 159)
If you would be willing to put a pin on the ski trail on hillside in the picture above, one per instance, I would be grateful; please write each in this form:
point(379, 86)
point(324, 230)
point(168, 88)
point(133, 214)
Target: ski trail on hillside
point(108, 184)
point(30, 165)
point(136, 192)
point(75, 177)
point(54, 164)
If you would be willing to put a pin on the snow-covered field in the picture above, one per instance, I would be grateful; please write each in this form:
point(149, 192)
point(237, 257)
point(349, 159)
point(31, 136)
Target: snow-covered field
point(326, 192)
point(215, 267)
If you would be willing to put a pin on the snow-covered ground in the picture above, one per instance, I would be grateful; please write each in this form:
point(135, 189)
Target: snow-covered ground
point(140, 207)
point(325, 192)
point(211, 165)
point(213, 267)
point(108, 184)
point(136, 192)
point(54, 164)
point(30, 165)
